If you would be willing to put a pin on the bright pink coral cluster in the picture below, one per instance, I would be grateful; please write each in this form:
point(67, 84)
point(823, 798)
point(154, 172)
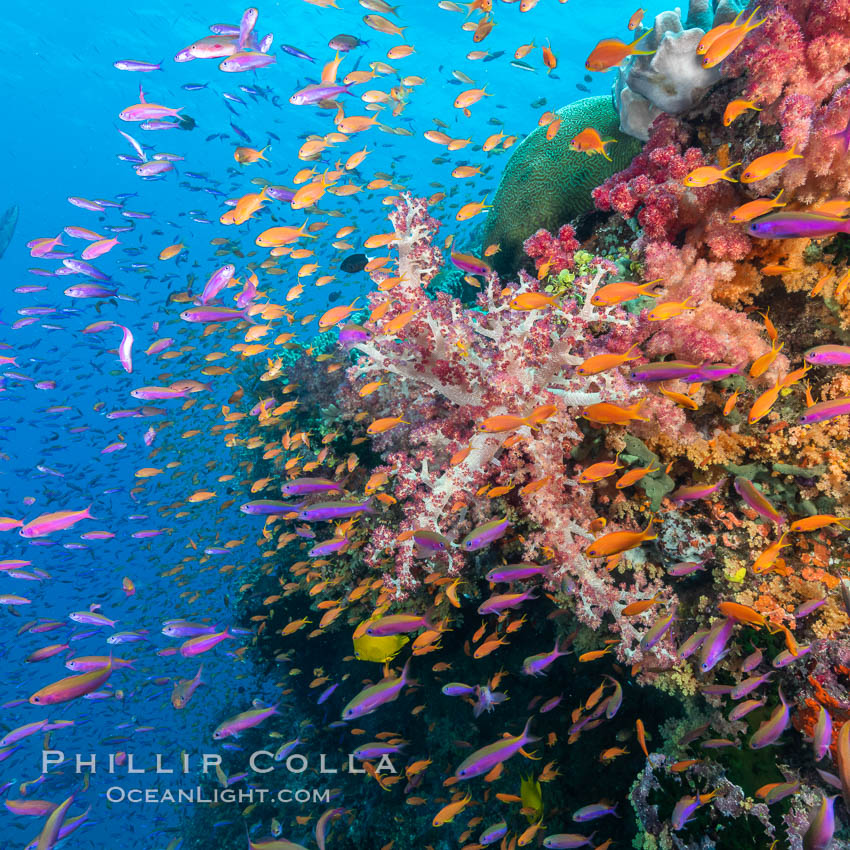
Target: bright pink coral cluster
point(551, 253)
point(795, 67)
point(651, 187)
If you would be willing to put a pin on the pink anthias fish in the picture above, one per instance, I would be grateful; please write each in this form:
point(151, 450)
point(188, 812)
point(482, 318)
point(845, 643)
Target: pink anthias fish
point(213, 314)
point(218, 281)
point(203, 643)
point(158, 393)
point(98, 248)
point(249, 60)
point(49, 523)
point(503, 601)
point(125, 349)
point(144, 111)
point(242, 721)
point(72, 687)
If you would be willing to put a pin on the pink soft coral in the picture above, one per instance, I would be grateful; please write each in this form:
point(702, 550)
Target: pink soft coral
point(554, 254)
point(458, 366)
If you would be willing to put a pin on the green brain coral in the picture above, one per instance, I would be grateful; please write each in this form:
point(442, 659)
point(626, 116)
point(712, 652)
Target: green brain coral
point(545, 184)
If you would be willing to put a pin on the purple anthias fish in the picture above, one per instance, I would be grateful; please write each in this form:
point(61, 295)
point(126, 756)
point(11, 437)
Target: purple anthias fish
point(658, 629)
point(535, 665)
point(90, 290)
point(684, 810)
point(808, 607)
point(747, 686)
point(269, 507)
point(769, 731)
point(753, 497)
point(213, 314)
point(458, 689)
point(429, 542)
point(470, 264)
point(326, 694)
point(375, 750)
point(280, 193)
point(485, 534)
point(353, 334)
point(323, 511)
point(246, 720)
point(715, 646)
point(247, 295)
point(786, 657)
point(493, 833)
point(667, 370)
point(752, 661)
point(692, 644)
point(551, 704)
point(684, 568)
point(202, 643)
point(822, 734)
point(797, 225)
point(821, 827)
point(515, 572)
point(484, 760)
point(82, 267)
point(306, 486)
point(132, 65)
point(372, 698)
point(712, 372)
point(158, 393)
point(594, 811)
point(329, 547)
point(694, 492)
point(316, 92)
point(828, 355)
point(159, 124)
point(826, 410)
point(567, 841)
point(152, 169)
point(744, 708)
point(86, 204)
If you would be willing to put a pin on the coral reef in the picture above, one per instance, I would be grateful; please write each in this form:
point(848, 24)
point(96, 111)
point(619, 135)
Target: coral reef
point(628, 423)
point(545, 184)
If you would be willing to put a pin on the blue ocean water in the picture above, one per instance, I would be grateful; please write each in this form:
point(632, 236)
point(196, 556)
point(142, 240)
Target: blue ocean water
point(65, 142)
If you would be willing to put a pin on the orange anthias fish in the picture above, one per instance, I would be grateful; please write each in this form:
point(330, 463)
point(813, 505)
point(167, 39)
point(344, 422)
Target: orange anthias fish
point(605, 413)
point(727, 42)
point(768, 164)
point(636, 18)
point(754, 209)
point(616, 542)
point(244, 156)
point(708, 175)
point(624, 290)
point(611, 52)
point(590, 142)
point(185, 688)
point(736, 108)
